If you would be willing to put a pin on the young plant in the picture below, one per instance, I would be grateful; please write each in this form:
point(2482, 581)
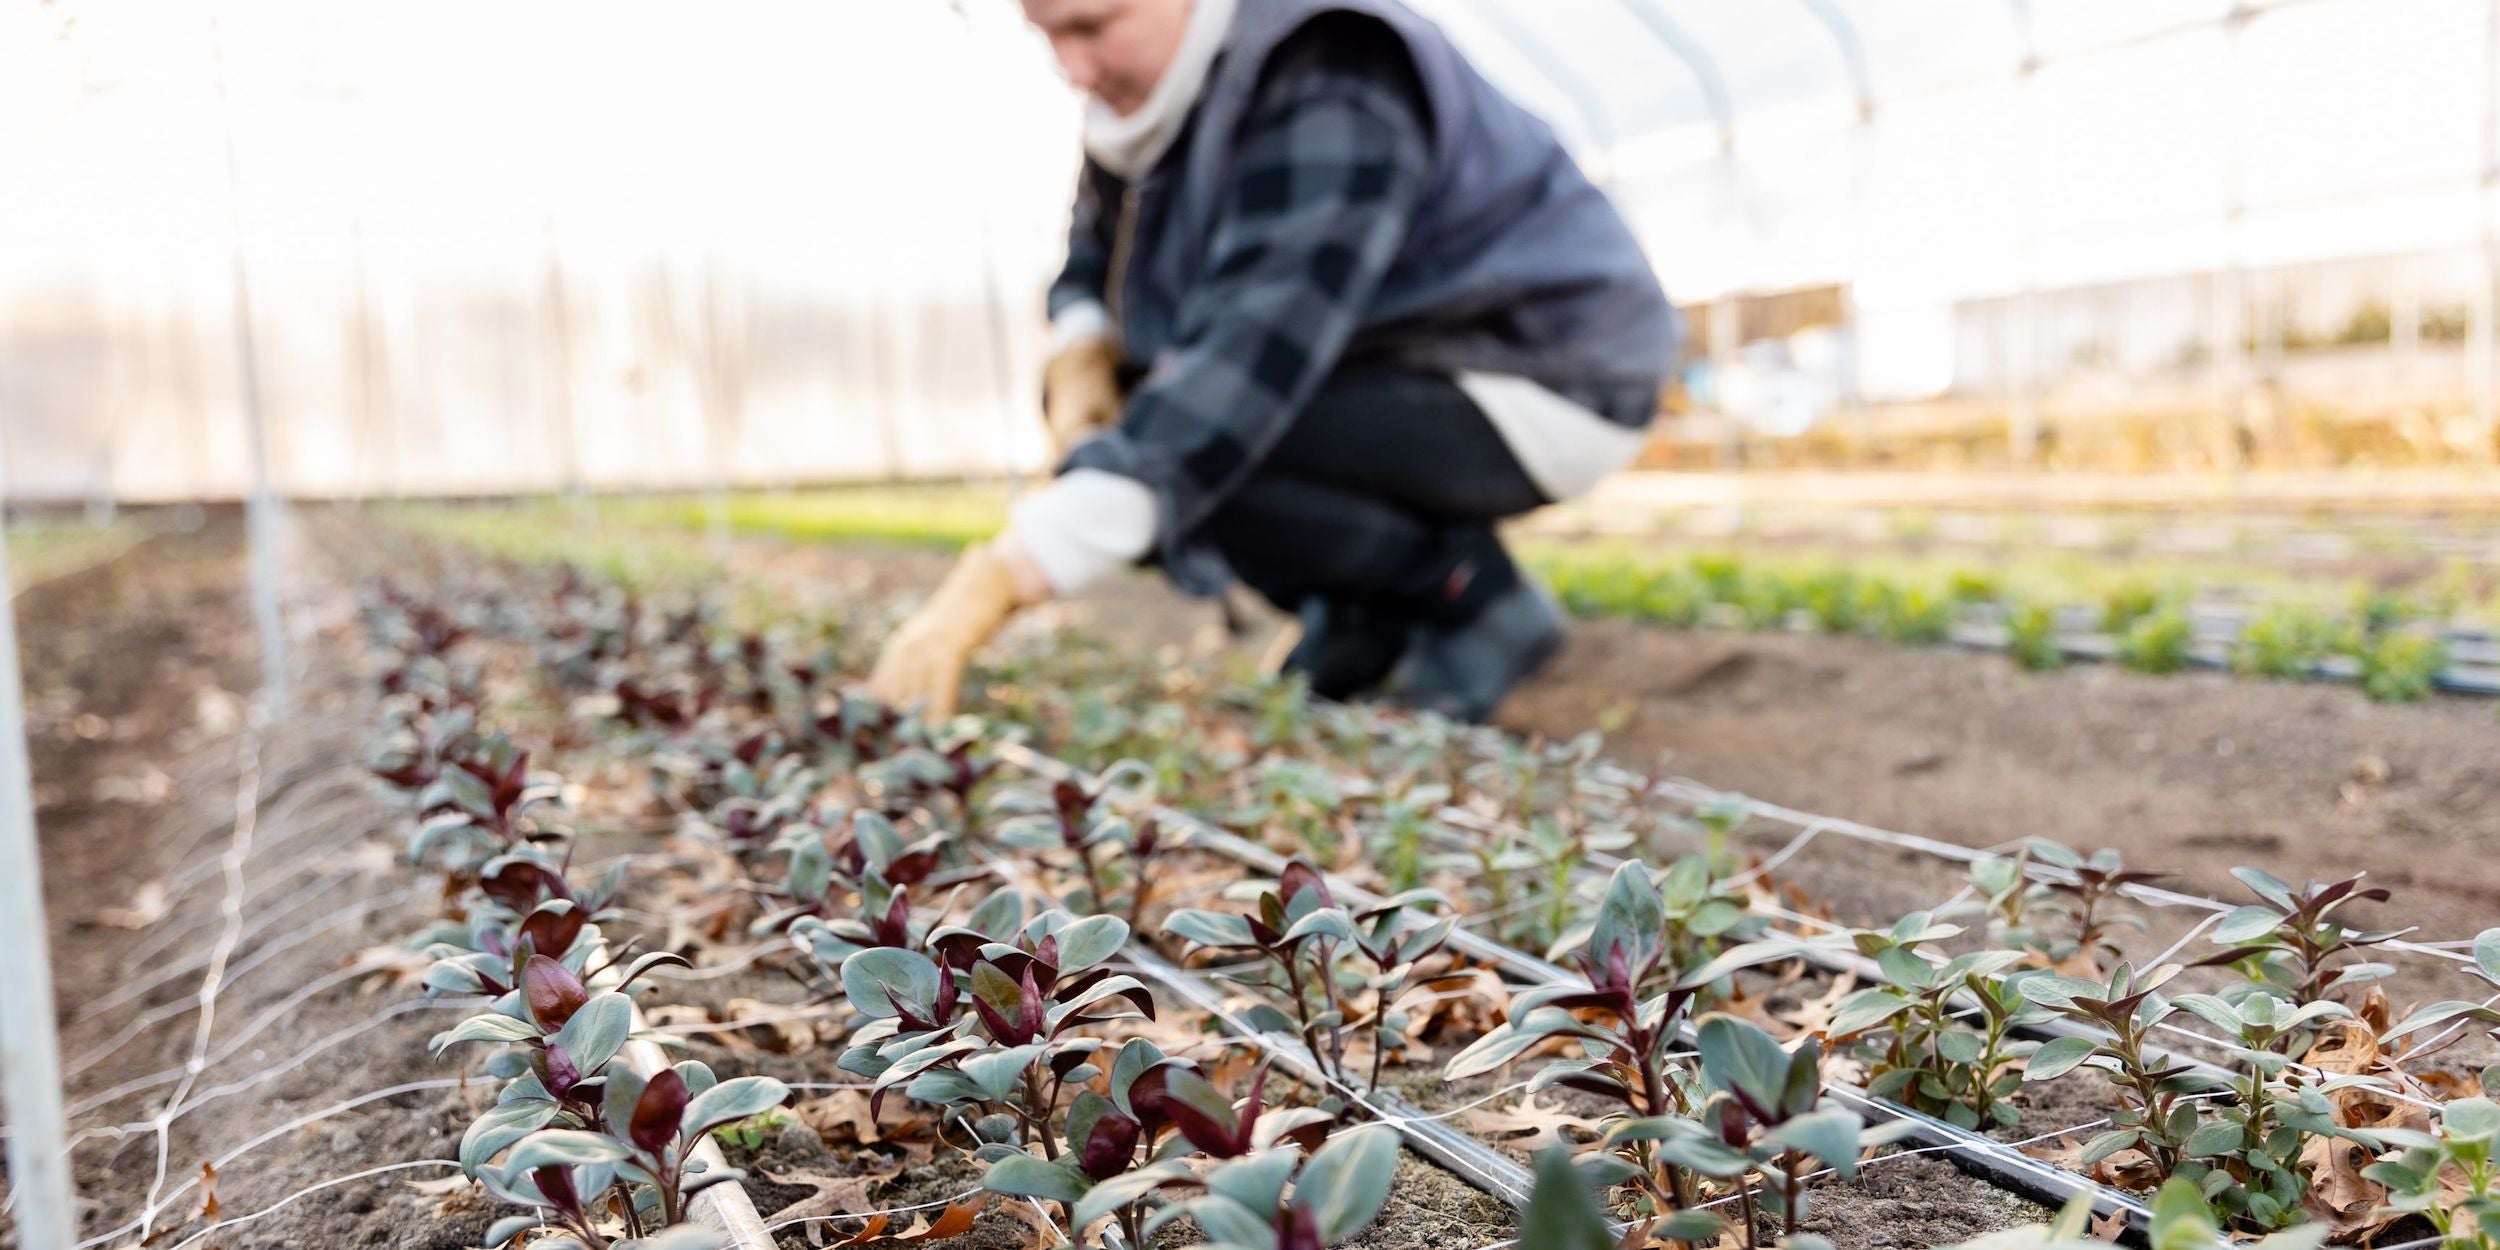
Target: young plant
point(2031, 636)
point(2400, 667)
point(2087, 889)
point(1764, 1117)
point(636, 1168)
point(1627, 1037)
point(1308, 946)
point(1704, 915)
point(2292, 941)
point(2181, 1221)
point(2011, 899)
point(2159, 1113)
point(2157, 642)
point(1244, 1203)
point(2283, 640)
point(868, 875)
point(1109, 849)
point(1930, 1061)
point(483, 804)
point(2451, 1176)
point(1099, 1176)
point(1406, 827)
point(2486, 968)
point(988, 1030)
point(2247, 1156)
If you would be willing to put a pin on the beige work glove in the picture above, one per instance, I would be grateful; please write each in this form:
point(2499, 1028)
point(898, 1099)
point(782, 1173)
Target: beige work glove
point(1080, 394)
point(924, 661)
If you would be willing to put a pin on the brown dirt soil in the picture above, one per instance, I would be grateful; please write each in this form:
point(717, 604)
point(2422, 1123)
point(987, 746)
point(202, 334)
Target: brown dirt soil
point(134, 673)
point(2195, 773)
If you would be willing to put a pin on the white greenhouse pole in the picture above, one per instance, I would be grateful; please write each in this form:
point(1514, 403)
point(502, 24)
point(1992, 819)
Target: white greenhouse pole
point(30, 1050)
point(2022, 434)
point(261, 510)
point(2482, 354)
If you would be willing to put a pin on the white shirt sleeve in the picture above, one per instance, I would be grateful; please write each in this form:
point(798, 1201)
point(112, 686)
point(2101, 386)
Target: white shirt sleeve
point(1079, 322)
point(1084, 524)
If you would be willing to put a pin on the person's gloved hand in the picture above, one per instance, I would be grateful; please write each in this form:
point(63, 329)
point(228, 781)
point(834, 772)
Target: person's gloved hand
point(924, 661)
point(1080, 394)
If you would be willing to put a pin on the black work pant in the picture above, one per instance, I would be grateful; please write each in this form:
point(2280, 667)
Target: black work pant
point(1382, 493)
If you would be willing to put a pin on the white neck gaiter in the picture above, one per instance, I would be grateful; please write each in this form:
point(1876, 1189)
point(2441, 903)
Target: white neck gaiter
point(1129, 146)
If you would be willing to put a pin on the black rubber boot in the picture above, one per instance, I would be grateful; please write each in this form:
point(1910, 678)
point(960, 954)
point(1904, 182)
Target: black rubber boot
point(1347, 649)
point(1462, 671)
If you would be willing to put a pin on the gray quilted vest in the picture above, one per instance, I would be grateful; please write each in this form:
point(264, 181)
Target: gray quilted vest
point(1515, 262)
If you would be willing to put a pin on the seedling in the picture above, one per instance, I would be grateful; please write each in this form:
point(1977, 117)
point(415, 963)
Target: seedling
point(2181, 1221)
point(2292, 941)
point(1343, 969)
point(1764, 1116)
point(1626, 1036)
point(2450, 1176)
point(1929, 1060)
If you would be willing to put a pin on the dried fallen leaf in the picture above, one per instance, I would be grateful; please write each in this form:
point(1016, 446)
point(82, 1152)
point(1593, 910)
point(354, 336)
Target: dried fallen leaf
point(208, 1191)
point(1038, 1231)
point(1530, 1125)
point(832, 1195)
point(841, 1116)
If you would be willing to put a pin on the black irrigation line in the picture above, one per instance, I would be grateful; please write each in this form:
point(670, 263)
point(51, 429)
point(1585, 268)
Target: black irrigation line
point(1985, 1158)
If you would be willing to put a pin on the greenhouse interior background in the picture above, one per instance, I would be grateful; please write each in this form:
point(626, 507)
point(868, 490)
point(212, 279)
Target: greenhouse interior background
point(634, 246)
point(569, 686)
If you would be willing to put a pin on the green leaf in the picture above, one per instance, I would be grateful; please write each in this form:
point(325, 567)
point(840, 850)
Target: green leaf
point(486, 1028)
point(1229, 1224)
point(2472, 1118)
point(2267, 886)
point(2181, 1218)
point(1090, 941)
point(1346, 1182)
point(2061, 992)
point(1000, 914)
point(731, 1100)
point(596, 1031)
point(1021, 1175)
point(2246, 923)
point(563, 1147)
point(1632, 916)
point(2217, 1138)
point(2058, 1057)
point(1562, 1212)
point(1831, 1136)
point(1209, 928)
point(1738, 1056)
point(1490, 1052)
point(1122, 1190)
point(2487, 952)
point(502, 1125)
point(1255, 1180)
point(875, 978)
point(997, 1072)
point(2106, 1144)
point(1865, 1010)
point(2440, 1013)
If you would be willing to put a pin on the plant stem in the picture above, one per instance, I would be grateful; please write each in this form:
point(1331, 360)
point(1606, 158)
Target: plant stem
point(1790, 1184)
point(1302, 1009)
point(1033, 1098)
point(1101, 900)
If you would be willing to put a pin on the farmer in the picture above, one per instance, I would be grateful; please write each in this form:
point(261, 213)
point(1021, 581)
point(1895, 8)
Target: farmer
point(1333, 306)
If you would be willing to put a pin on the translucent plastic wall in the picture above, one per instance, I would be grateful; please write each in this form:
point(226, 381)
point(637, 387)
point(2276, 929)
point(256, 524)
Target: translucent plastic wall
point(490, 247)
